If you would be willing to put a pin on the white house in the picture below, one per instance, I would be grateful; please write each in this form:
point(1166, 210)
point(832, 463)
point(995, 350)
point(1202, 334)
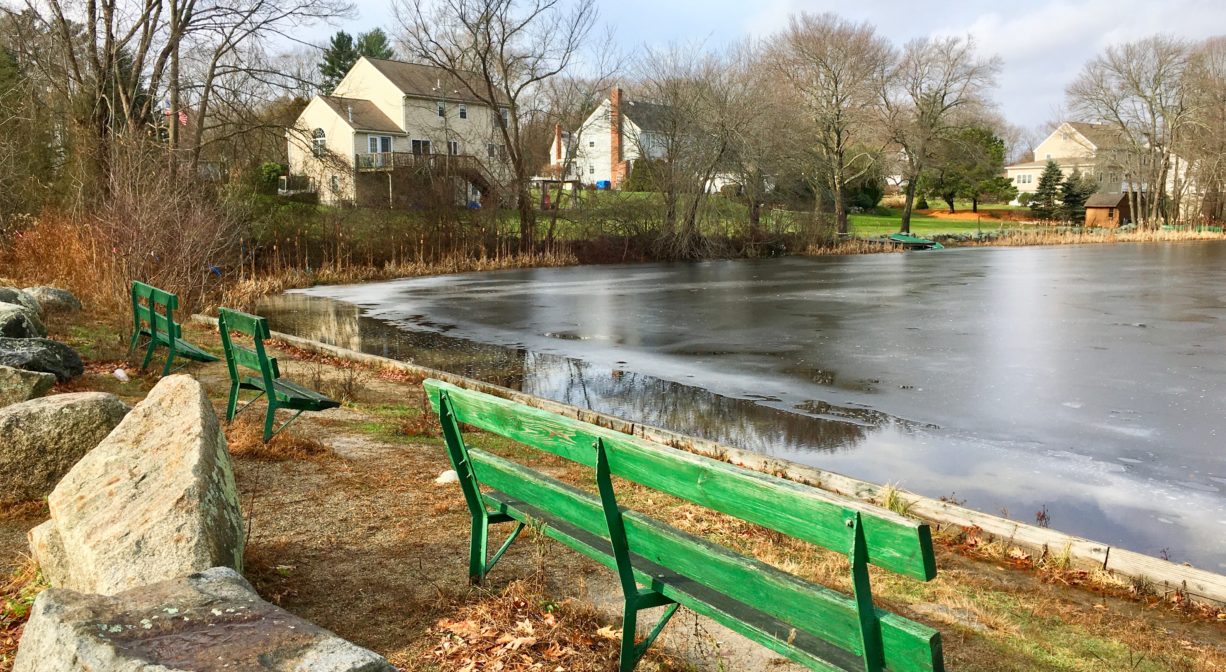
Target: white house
point(615, 135)
point(1075, 147)
point(387, 124)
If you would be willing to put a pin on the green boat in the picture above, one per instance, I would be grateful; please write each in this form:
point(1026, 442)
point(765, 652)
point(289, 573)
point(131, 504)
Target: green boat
point(912, 242)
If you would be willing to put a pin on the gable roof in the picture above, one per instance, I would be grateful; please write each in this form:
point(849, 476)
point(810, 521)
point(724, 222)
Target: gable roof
point(1105, 200)
point(362, 114)
point(1102, 136)
point(647, 116)
point(428, 81)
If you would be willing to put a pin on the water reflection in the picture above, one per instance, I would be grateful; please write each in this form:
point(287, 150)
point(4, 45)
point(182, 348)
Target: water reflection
point(1090, 380)
point(627, 394)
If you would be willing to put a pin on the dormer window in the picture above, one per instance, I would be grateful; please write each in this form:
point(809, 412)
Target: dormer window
point(442, 109)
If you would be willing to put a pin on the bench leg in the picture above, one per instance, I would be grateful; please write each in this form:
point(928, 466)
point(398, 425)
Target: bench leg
point(232, 406)
point(153, 344)
point(269, 419)
point(170, 359)
point(636, 598)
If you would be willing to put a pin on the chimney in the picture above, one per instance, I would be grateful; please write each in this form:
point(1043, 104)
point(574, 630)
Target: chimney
point(557, 142)
point(615, 137)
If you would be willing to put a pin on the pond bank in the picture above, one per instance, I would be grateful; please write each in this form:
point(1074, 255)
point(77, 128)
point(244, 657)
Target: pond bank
point(1166, 579)
point(350, 531)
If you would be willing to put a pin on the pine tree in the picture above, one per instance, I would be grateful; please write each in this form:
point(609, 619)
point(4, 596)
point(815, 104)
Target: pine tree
point(1074, 193)
point(374, 44)
point(1045, 202)
point(339, 57)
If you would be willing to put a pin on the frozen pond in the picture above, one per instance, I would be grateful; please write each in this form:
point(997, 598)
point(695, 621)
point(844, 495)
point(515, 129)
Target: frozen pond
point(1089, 382)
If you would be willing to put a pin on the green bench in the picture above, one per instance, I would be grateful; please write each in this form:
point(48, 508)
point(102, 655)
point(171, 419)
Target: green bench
point(281, 393)
point(661, 566)
point(153, 317)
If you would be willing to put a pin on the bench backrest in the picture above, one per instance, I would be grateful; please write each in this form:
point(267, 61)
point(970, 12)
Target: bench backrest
point(255, 357)
point(889, 541)
point(154, 307)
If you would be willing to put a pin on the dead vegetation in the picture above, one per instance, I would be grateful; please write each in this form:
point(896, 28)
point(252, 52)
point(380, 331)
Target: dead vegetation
point(18, 589)
point(245, 439)
point(521, 629)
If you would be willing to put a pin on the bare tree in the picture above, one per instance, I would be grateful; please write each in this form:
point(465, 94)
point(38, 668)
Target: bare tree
point(1139, 90)
point(832, 63)
point(501, 52)
point(935, 88)
point(1205, 143)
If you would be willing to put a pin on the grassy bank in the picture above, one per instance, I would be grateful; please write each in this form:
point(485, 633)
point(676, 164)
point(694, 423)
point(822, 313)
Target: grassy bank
point(383, 534)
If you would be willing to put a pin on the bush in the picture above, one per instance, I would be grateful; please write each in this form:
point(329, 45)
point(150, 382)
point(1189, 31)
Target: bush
point(268, 177)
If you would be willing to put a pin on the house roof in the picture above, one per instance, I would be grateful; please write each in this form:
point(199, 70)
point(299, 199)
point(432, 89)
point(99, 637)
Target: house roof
point(362, 114)
point(647, 116)
point(1101, 135)
point(1107, 200)
point(428, 81)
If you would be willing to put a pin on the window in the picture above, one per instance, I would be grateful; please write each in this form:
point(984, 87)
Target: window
point(506, 117)
point(591, 143)
point(490, 150)
point(1049, 157)
point(421, 146)
point(463, 111)
point(319, 142)
point(336, 184)
point(591, 170)
point(453, 147)
point(1110, 213)
point(442, 109)
point(379, 144)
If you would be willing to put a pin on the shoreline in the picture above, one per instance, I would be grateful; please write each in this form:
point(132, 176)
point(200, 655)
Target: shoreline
point(1168, 579)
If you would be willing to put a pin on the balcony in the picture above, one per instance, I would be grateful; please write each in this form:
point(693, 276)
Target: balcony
point(430, 162)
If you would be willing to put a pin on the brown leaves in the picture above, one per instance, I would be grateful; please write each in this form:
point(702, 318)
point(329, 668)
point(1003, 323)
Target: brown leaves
point(521, 630)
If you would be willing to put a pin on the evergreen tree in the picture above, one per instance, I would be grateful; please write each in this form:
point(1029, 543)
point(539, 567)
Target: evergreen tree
point(1045, 202)
point(1074, 193)
point(343, 51)
point(339, 57)
point(374, 44)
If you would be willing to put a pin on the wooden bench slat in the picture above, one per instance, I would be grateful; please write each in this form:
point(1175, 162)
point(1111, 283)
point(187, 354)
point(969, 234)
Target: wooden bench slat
point(824, 613)
point(896, 543)
point(753, 624)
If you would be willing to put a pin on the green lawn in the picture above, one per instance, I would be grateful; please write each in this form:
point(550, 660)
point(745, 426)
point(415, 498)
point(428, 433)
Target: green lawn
point(878, 225)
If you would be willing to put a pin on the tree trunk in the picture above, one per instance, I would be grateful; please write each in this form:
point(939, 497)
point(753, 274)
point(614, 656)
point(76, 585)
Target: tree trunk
point(527, 218)
point(907, 206)
point(975, 204)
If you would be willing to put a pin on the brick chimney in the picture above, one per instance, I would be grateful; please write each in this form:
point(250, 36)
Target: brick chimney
point(557, 143)
point(618, 172)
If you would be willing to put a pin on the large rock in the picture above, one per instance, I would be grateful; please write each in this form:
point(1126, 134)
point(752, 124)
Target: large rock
point(155, 500)
point(18, 385)
point(41, 439)
point(41, 354)
point(17, 321)
point(21, 297)
point(211, 621)
point(54, 300)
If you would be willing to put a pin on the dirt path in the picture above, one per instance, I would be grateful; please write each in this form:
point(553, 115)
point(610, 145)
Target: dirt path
point(348, 529)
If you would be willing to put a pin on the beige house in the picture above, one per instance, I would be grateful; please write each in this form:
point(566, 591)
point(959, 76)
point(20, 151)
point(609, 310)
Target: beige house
point(393, 132)
point(1075, 147)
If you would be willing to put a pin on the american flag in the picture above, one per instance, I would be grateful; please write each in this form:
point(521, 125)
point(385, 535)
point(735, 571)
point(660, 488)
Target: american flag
point(182, 116)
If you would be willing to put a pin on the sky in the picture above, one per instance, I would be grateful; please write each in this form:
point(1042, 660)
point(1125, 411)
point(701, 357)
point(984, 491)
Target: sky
point(1044, 43)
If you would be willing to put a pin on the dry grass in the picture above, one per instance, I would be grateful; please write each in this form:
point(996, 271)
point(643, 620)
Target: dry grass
point(245, 438)
point(1057, 236)
point(17, 593)
point(247, 292)
point(522, 629)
